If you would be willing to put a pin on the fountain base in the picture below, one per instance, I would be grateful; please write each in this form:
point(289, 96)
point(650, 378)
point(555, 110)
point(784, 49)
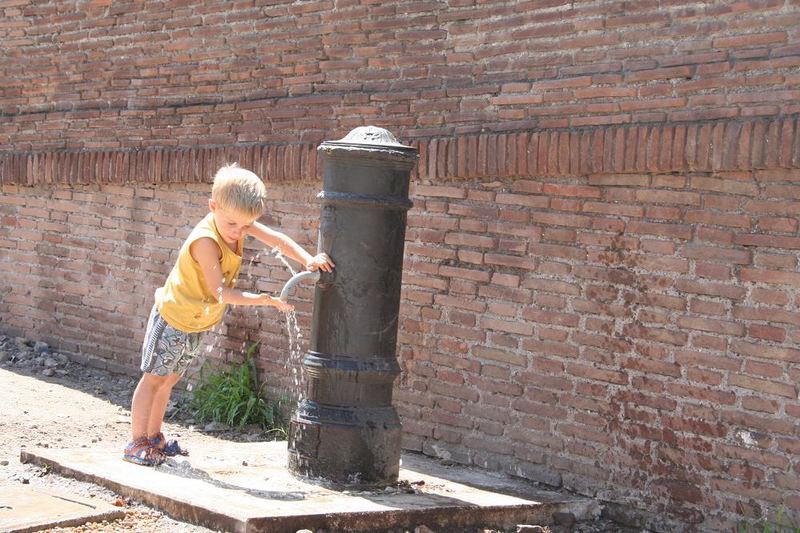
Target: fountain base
point(348, 447)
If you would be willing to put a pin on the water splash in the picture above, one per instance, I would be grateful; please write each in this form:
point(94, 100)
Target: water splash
point(249, 269)
point(277, 253)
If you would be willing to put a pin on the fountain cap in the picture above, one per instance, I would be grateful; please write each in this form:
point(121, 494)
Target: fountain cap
point(370, 136)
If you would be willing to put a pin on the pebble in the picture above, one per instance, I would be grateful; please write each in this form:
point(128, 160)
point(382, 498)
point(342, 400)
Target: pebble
point(3, 463)
point(215, 426)
point(524, 528)
point(564, 518)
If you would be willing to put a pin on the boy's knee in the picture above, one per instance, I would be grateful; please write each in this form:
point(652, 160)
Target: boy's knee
point(167, 380)
point(153, 381)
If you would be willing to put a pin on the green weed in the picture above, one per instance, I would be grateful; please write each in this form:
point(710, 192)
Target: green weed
point(780, 524)
point(236, 398)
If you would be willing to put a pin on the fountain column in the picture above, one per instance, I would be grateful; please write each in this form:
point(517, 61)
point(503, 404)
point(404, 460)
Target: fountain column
point(346, 430)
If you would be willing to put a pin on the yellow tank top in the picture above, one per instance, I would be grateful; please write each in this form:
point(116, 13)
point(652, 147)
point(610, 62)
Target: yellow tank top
point(184, 301)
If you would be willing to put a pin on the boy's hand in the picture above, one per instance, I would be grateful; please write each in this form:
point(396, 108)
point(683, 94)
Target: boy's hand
point(320, 262)
point(281, 305)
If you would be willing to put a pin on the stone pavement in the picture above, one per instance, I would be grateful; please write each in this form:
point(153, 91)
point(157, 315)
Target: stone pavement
point(24, 509)
point(245, 487)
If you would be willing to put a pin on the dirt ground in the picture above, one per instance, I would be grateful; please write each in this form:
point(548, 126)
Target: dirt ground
point(48, 401)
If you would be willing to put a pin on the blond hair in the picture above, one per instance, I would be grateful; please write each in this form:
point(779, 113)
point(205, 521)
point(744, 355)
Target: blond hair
point(239, 190)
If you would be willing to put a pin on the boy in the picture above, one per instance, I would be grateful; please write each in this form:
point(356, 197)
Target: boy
point(194, 298)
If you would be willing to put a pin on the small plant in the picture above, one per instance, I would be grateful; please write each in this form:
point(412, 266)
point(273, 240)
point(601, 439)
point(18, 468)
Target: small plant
point(781, 524)
point(235, 397)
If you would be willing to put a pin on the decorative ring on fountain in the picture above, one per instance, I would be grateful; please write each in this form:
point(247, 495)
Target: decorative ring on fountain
point(296, 279)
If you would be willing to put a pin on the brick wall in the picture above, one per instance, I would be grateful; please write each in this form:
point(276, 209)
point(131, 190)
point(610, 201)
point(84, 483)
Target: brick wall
point(140, 74)
point(631, 336)
point(601, 277)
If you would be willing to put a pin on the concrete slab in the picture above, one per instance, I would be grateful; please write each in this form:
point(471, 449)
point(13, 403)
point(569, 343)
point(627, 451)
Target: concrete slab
point(24, 509)
point(245, 487)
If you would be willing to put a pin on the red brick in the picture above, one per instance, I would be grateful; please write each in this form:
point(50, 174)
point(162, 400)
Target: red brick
point(554, 189)
point(439, 191)
point(513, 261)
point(768, 241)
point(709, 253)
point(769, 296)
point(714, 326)
point(466, 239)
point(770, 276)
point(500, 356)
point(718, 219)
point(762, 405)
point(678, 231)
point(765, 351)
point(520, 328)
point(758, 368)
point(753, 39)
point(523, 200)
point(711, 289)
point(677, 338)
point(766, 332)
point(768, 314)
point(774, 260)
point(474, 275)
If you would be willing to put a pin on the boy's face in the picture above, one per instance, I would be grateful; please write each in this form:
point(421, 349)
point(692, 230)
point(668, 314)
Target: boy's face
point(231, 225)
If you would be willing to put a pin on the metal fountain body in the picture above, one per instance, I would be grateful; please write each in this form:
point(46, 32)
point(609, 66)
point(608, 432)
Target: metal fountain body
point(345, 429)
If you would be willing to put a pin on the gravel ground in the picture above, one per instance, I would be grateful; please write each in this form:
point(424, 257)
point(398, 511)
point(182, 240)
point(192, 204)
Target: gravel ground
point(93, 406)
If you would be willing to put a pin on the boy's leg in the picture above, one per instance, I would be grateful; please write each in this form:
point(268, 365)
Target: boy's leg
point(159, 403)
point(145, 402)
point(166, 354)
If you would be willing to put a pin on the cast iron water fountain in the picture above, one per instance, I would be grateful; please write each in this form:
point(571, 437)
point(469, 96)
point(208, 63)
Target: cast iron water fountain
point(346, 430)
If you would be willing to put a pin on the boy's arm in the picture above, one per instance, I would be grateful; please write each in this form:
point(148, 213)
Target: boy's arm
point(206, 252)
point(289, 248)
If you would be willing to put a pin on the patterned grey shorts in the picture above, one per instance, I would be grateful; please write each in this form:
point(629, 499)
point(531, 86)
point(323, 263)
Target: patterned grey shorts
point(166, 349)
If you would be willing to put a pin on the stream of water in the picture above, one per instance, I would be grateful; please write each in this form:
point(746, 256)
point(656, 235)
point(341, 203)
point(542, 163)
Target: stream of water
point(295, 353)
point(294, 362)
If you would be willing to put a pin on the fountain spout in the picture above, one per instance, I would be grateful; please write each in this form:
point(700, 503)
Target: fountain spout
point(287, 289)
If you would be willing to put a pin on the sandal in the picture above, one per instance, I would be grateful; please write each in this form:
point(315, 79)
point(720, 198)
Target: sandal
point(170, 448)
point(142, 452)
